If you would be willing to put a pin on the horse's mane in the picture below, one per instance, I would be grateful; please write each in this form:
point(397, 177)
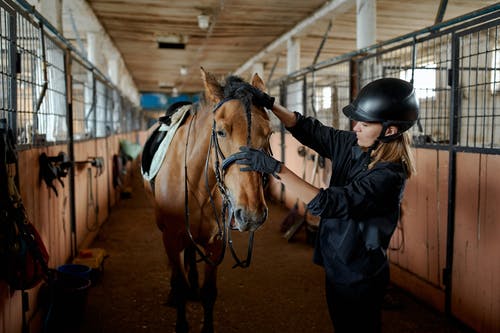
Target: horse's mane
point(237, 88)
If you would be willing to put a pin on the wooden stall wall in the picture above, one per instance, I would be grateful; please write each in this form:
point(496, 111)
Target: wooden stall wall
point(418, 247)
point(476, 263)
point(50, 214)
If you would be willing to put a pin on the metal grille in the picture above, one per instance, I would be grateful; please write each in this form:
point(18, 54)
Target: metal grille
point(432, 86)
point(40, 87)
point(479, 88)
point(455, 72)
point(29, 82)
point(82, 97)
point(101, 103)
point(52, 115)
point(115, 115)
point(33, 97)
point(327, 93)
point(7, 68)
point(425, 63)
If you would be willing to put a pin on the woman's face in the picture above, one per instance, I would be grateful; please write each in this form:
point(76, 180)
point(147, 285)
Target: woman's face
point(367, 133)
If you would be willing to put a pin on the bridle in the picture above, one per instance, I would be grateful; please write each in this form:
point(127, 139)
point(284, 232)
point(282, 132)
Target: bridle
point(221, 164)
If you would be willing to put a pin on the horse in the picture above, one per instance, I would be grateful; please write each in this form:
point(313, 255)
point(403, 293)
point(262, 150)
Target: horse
point(198, 189)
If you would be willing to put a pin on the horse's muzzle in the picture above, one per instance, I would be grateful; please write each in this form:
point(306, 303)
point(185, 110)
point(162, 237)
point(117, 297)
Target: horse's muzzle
point(246, 220)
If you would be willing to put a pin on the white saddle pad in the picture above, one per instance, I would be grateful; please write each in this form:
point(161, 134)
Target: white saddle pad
point(159, 155)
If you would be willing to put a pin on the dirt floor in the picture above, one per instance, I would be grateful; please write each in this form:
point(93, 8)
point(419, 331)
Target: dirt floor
point(282, 290)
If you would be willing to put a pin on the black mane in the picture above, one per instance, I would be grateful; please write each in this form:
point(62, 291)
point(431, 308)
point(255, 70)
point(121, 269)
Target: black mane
point(237, 88)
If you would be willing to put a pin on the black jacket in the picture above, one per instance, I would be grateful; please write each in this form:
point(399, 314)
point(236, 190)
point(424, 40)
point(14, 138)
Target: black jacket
point(359, 210)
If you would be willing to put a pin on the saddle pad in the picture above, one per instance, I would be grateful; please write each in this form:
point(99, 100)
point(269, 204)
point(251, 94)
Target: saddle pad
point(162, 141)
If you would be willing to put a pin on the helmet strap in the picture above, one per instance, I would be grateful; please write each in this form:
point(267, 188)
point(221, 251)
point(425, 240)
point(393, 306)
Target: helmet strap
point(388, 138)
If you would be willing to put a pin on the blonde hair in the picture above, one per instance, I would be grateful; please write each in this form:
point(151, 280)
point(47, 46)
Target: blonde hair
point(396, 151)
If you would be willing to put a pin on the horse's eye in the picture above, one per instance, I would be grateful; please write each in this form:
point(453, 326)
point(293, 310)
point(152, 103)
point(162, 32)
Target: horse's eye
point(221, 133)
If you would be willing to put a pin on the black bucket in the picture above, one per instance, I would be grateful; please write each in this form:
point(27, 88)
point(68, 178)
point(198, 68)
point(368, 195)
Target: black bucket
point(69, 302)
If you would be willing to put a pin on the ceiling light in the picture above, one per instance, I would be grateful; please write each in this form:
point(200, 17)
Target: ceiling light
point(203, 21)
point(183, 70)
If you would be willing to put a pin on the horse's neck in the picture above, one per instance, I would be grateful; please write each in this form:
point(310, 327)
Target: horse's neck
point(199, 136)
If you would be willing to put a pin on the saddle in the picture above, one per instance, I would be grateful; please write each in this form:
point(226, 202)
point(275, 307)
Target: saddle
point(155, 140)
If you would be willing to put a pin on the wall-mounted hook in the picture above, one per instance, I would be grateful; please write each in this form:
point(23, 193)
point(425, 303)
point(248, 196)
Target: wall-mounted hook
point(54, 167)
point(96, 162)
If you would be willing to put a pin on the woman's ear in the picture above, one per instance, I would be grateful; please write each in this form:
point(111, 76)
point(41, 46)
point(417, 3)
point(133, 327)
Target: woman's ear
point(391, 130)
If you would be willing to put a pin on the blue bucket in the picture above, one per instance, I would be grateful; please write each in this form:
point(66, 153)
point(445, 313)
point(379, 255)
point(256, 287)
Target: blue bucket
point(75, 270)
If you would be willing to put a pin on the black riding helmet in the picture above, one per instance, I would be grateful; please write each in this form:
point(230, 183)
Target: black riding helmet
point(389, 101)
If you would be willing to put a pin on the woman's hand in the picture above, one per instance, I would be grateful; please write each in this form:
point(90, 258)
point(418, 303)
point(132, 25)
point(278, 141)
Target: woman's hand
point(257, 160)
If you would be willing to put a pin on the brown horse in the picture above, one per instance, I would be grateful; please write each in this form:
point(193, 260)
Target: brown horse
point(198, 188)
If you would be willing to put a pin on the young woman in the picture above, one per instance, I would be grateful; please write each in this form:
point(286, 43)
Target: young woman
point(360, 208)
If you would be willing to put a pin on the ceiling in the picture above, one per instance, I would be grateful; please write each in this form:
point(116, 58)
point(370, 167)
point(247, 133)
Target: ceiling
point(241, 29)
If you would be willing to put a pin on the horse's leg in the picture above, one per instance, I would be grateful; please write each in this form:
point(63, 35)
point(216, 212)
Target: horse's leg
point(192, 269)
point(179, 286)
point(193, 278)
point(208, 295)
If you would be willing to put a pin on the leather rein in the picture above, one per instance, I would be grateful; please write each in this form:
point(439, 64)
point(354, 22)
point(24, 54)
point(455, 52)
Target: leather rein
point(221, 163)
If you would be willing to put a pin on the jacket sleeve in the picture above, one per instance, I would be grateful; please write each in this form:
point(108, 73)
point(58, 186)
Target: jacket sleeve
point(323, 139)
point(373, 194)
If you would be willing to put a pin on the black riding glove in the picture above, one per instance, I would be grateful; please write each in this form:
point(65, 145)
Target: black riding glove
point(260, 98)
point(257, 160)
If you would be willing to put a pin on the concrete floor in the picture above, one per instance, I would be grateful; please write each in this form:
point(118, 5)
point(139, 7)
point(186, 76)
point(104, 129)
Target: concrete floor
point(282, 290)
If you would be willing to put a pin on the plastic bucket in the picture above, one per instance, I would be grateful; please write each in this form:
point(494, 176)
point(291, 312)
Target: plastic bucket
point(69, 302)
point(75, 270)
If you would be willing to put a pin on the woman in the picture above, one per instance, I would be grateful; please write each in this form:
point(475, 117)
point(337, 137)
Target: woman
point(360, 208)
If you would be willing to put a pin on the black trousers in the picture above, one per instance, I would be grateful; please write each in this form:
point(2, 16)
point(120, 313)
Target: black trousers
point(358, 307)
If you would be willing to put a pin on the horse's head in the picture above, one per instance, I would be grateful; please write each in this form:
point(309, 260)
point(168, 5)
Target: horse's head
point(238, 122)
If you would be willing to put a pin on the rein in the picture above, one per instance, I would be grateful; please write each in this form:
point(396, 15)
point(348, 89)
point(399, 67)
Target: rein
point(226, 214)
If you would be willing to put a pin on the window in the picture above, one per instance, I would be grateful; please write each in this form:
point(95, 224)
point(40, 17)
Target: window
point(424, 80)
point(323, 98)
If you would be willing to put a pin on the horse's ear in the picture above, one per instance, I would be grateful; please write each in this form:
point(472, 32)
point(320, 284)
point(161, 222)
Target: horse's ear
point(213, 90)
point(257, 82)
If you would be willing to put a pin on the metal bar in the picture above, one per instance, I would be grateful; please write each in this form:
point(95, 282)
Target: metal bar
point(13, 69)
point(304, 95)
point(441, 11)
point(454, 111)
point(283, 98)
point(44, 71)
point(320, 48)
point(271, 73)
point(71, 153)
